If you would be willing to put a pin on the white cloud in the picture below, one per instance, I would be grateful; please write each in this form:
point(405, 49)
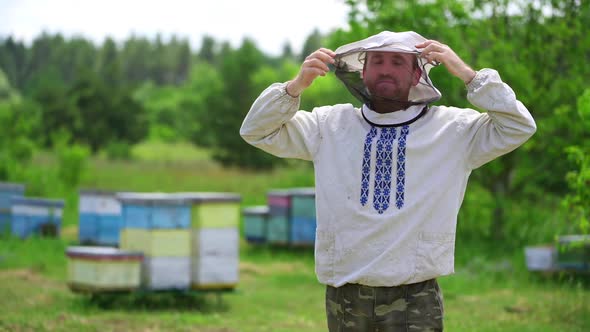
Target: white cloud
point(270, 23)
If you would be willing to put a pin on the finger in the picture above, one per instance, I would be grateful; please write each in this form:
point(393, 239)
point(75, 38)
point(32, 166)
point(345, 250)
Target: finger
point(425, 43)
point(328, 51)
point(435, 58)
point(434, 47)
point(316, 63)
point(324, 55)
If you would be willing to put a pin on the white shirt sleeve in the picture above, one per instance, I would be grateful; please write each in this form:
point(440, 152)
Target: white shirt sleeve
point(506, 125)
point(275, 125)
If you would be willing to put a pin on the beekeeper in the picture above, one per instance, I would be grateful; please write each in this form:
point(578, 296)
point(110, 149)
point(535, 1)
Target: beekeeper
point(390, 175)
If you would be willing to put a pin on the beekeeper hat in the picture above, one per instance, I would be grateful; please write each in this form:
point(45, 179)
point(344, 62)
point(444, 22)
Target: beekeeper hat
point(350, 58)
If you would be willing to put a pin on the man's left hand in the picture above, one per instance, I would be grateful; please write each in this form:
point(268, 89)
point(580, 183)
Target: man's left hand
point(434, 51)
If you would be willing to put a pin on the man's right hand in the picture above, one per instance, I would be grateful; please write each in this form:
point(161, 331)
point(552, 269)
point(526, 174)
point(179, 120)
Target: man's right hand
point(316, 64)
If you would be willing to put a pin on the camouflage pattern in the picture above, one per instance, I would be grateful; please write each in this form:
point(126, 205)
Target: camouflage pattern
point(414, 307)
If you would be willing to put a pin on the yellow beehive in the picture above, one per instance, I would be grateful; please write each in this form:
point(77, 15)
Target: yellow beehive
point(157, 242)
point(215, 210)
point(103, 269)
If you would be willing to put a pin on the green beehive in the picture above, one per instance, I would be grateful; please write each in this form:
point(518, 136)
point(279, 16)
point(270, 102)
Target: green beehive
point(573, 252)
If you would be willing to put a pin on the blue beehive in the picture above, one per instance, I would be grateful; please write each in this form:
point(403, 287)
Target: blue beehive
point(256, 223)
point(100, 218)
point(7, 191)
point(36, 216)
point(292, 216)
point(155, 211)
point(158, 224)
point(303, 216)
point(188, 239)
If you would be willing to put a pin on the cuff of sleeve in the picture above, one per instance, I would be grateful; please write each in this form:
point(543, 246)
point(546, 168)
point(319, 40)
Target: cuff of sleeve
point(285, 98)
point(477, 81)
point(283, 88)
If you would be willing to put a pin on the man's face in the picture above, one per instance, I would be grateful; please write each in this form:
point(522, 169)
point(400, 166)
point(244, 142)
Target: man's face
point(390, 74)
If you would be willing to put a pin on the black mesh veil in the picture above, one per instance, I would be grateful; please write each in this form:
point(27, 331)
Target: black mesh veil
point(349, 62)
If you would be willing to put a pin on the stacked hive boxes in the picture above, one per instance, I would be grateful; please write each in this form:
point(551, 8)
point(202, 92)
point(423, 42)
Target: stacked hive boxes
point(100, 218)
point(7, 191)
point(188, 239)
point(256, 223)
point(292, 217)
point(159, 226)
point(103, 269)
point(36, 216)
point(215, 250)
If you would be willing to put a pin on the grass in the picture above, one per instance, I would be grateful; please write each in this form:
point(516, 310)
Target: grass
point(278, 290)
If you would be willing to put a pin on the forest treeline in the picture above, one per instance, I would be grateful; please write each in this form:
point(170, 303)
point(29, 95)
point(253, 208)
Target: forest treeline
point(107, 97)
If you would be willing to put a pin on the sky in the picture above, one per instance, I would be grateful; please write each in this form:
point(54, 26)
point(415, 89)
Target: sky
point(270, 23)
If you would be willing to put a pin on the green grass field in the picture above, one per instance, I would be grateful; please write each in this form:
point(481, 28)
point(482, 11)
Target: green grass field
point(278, 290)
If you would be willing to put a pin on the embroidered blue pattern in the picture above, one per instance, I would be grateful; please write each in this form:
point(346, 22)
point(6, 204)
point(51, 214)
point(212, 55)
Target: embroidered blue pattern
point(383, 167)
point(401, 167)
point(366, 168)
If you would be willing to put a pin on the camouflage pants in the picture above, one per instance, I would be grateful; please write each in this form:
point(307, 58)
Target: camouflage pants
point(414, 307)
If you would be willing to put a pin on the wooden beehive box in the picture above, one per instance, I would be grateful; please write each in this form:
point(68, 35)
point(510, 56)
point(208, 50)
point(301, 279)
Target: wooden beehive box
point(164, 272)
point(215, 259)
point(292, 216)
point(255, 220)
point(103, 269)
point(36, 216)
point(541, 258)
point(157, 242)
point(100, 218)
point(7, 191)
point(215, 240)
point(158, 224)
point(573, 252)
point(155, 211)
point(303, 217)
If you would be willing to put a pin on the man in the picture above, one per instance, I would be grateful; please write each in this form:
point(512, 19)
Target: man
point(390, 176)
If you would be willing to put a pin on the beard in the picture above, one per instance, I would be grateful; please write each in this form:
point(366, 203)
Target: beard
point(388, 94)
point(389, 88)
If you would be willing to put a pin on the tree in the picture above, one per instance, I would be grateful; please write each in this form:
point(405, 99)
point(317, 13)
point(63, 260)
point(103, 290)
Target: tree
point(226, 111)
point(19, 123)
point(314, 41)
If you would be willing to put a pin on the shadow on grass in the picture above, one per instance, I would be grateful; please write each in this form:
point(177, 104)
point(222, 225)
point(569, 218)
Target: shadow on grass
point(202, 301)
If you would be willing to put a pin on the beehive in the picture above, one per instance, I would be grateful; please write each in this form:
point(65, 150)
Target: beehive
point(215, 242)
point(7, 191)
point(292, 216)
point(36, 216)
point(541, 258)
point(174, 231)
point(573, 252)
point(92, 269)
point(99, 218)
point(158, 225)
point(255, 223)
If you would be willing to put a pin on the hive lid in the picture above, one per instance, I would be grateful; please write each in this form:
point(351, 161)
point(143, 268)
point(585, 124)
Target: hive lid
point(106, 253)
point(9, 186)
point(97, 192)
point(178, 198)
point(303, 191)
point(18, 200)
point(259, 209)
